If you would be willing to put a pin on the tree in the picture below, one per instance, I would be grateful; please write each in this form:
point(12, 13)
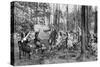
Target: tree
point(95, 28)
point(84, 30)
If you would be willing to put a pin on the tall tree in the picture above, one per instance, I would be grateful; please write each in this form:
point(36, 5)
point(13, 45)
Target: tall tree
point(95, 28)
point(84, 29)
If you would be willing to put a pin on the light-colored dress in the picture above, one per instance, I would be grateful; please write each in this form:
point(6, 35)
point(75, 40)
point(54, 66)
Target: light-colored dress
point(70, 41)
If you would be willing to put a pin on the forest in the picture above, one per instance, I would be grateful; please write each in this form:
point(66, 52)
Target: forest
point(53, 33)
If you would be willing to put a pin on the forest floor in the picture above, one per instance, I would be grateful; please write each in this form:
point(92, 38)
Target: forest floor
point(61, 56)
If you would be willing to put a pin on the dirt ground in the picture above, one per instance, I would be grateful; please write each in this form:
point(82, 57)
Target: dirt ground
point(48, 58)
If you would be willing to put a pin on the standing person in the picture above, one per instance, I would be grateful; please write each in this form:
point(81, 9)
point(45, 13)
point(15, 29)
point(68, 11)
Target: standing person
point(59, 38)
point(53, 37)
point(66, 38)
point(70, 40)
point(36, 39)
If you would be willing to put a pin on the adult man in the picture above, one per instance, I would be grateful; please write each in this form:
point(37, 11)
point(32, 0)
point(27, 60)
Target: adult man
point(53, 37)
point(36, 40)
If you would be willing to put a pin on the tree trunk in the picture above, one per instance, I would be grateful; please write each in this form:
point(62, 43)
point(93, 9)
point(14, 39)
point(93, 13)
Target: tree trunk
point(95, 28)
point(84, 31)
